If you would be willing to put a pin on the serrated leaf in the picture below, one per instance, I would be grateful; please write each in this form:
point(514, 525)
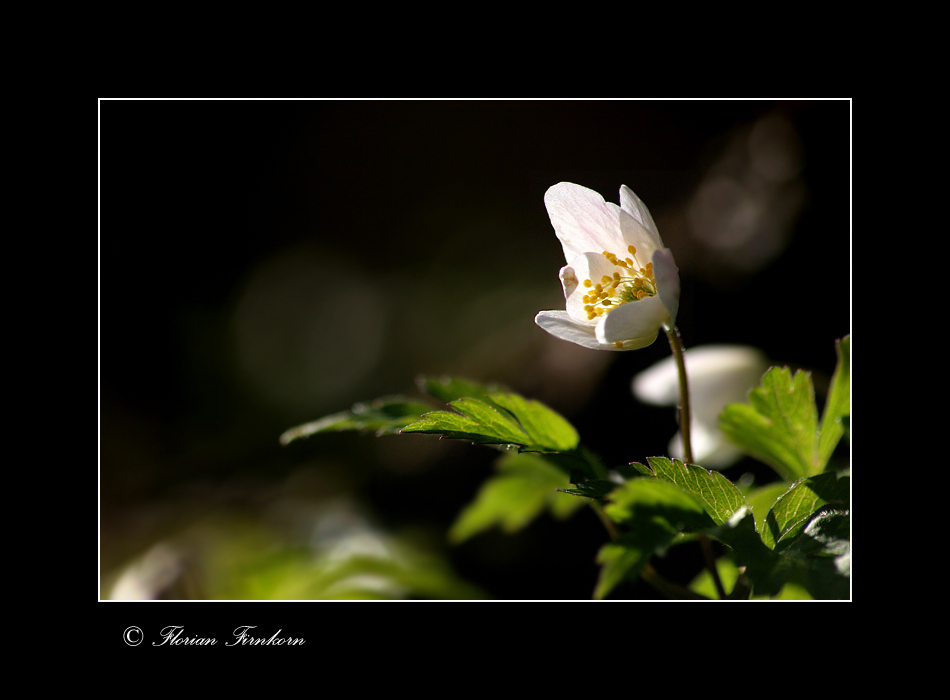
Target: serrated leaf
point(636, 498)
point(828, 534)
point(762, 498)
point(771, 572)
point(761, 563)
point(838, 405)
point(719, 496)
point(475, 420)
point(592, 488)
point(654, 512)
point(544, 427)
point(796, 507)
point(525, 486)
point(382, 416)
point(779, 426)
point(501, 419)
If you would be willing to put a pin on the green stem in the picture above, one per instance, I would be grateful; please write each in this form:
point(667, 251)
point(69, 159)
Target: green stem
point(676, 345)
point(605, 521)
point(685, 421)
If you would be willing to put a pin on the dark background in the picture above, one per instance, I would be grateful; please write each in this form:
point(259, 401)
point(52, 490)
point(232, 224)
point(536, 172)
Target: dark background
point(265, 263)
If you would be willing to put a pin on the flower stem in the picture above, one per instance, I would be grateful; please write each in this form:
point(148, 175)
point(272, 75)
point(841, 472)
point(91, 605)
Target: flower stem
point(607, 522)
point(685, 420)
point(676, 345)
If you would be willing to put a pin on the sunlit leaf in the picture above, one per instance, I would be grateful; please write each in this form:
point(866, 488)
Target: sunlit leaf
point(838, 405)
point(382, 416)
point(818, 559)
point(719, 496)
point(653, 512)
point(779, 426)
point(762, 498)
point(544, 427)
point(501, 419)
point(796, 507)
point(525, 486)
point(472, 419)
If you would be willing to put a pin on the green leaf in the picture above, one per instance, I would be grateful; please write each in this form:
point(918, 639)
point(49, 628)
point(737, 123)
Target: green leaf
point(545, 428)
point(828, 534)
point(822, 553)
point(762, 498)
point(592, 488)
point(838, 405)
point(719, 496)
point(501, 419)
point(526, 486)
point(821, 567)
point(761, 563)
point(780, 425)
point(796, 507)
point(383, 416)
point(474, 420)
point(625, 557)
point(654, 512)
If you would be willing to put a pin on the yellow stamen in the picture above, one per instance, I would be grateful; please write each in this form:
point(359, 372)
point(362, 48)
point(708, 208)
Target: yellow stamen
point(620, 287)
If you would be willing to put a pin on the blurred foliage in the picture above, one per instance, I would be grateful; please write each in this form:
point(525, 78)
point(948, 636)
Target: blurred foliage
point(234, 557)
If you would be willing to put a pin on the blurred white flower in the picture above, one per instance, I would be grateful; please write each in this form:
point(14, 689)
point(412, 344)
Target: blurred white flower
point(620, 284)
point(151, 577)
point(718, 375)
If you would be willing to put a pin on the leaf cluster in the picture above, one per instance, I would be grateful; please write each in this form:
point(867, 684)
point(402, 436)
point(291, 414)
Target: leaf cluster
point(795, 534)
point(803, 539)
point(780, 426)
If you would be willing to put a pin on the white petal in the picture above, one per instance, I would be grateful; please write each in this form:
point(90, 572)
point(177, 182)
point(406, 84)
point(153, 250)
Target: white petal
point(636, 323)
point(667, 281)
point(634, 206)
point(562, 326)
point(582, 220)
point(639, 237)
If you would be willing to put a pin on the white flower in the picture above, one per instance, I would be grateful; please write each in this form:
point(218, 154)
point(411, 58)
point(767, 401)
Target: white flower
point(718, 375)
point(620, 283)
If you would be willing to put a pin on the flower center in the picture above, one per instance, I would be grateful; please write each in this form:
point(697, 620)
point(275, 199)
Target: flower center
point(632, 284)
